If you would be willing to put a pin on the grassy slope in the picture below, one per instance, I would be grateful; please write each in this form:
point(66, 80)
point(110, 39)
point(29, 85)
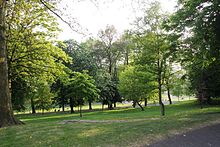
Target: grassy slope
point(46, 130)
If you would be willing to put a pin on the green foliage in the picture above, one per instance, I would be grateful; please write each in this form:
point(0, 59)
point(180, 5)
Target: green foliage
point(31, 50)
point(43, 97)
point(19, 93)
point(108, 89)
point(134, 84)
point(82, 88)
point(197, 24)
point(81, 54)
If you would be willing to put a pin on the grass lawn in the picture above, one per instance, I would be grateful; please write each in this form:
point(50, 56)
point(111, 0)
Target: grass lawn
point(136, 128)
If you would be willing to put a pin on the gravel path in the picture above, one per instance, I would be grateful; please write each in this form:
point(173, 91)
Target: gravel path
point(204, 137)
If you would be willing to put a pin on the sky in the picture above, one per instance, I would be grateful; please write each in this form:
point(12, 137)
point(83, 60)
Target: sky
point(94, 15)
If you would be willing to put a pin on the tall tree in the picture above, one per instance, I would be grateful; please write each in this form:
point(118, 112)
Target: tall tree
point(153, 45)
point(23, 42)
point(6, 118)
point(197, 24)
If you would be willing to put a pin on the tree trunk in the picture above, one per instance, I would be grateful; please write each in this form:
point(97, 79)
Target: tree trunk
point(90, 105)
point(114, 104)
point(80, 111)
point(145, 102)
point(162, 108)
point(126, 59)
point(110, 106)
point(71, 105)
point(7, 117)
point(110, 67)
point(32, 106)
point(134, 104)
point(168, 94)
point(63, 107)
point(102, 106)
point(142, 109)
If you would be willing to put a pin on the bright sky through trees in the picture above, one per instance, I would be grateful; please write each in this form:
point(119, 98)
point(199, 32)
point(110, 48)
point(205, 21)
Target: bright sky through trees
point(92, 17)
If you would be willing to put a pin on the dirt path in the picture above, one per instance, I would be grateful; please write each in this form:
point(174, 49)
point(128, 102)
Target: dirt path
point(104, 121)
point(204, 137)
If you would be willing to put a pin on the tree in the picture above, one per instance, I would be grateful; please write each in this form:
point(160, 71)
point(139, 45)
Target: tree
point(197, 24)
point(153, 45)
point(43, 97)
point(30, 52)
point(6, 118)
point(81, 88)
point(107, 89)
point(108, 37)
point(135, 84)
point(59, 88)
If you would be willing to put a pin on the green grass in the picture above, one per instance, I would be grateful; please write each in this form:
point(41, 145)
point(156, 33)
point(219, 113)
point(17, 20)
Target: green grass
point(140, 128)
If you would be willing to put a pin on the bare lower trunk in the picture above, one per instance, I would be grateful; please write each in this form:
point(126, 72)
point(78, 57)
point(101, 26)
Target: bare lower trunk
point(63, 107)
point(6, 113)
point(142, 109)
point(32, 106)
point(162, 108)
point(114, 104)
point(80, 111)
point(71, 105)
point(90, 105)
point(168, 94)
point(110, 106)
point(145, 102)
point(102, 106)
point(134, 104)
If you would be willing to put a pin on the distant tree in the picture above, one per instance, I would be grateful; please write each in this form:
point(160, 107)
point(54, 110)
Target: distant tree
point(43, 97)
point(135, 85)
point(108, 89)
point(81, 88)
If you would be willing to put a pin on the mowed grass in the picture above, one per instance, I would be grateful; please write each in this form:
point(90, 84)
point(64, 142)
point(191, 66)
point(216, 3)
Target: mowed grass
point(136, 128)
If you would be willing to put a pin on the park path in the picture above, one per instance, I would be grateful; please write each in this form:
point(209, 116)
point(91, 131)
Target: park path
point(204, 137)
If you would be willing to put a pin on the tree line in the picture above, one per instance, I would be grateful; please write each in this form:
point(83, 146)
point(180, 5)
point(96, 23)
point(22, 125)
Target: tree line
point(177, 53)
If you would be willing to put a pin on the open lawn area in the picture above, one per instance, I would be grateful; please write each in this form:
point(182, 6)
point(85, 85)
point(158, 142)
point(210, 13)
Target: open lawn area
point(122, 127)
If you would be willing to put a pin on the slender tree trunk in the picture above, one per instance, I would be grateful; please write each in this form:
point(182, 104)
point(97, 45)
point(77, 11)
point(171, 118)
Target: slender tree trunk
point(127, 62)
point(114, 104)
point(142, 109)
point(90, 105)
point(63, 107)
point(32, 106)
point(110, 67)
point(6, 113)
point(168, 94)
point(80, 110)
point(102, 106)
point(145, 102)
point(162, 108)
point(71, 105)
